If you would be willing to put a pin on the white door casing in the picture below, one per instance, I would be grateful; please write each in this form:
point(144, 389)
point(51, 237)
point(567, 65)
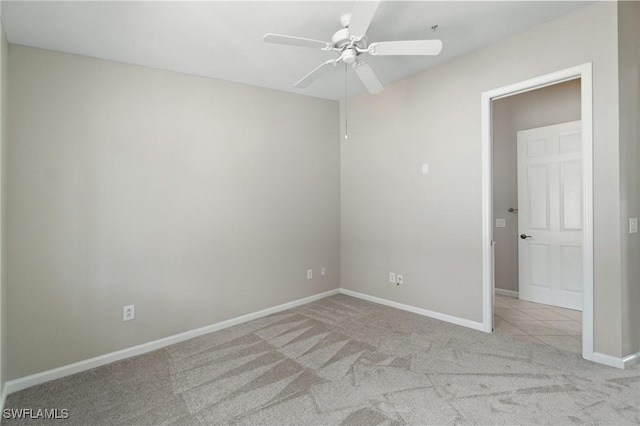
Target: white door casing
point(585, 73)
point(550, 203)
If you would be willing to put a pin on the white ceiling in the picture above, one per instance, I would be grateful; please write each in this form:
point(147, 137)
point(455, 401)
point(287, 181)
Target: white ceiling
point(224, 39)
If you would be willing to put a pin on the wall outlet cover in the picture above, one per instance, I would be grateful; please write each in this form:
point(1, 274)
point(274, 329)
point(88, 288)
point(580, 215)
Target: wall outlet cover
point(400, 279)
point(633, 225)
point(392, 277)
point(128, 313)
point(323, 271)
point(309, 274)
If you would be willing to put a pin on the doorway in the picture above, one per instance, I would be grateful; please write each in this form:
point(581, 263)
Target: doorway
point(509, 308)
point(537, 192)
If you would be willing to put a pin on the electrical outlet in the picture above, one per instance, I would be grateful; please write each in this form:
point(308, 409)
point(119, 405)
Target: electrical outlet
point(323, 271)
point(633, 225)
point(128, 313)
point(309, 274)
point(400, 279)
point(392, 277)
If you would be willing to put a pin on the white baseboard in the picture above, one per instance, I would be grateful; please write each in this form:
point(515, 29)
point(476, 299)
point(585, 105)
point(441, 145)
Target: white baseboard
point(424, 312)
point(630, 360)
point(509, 293)
point(77, 367)
point(613, 361)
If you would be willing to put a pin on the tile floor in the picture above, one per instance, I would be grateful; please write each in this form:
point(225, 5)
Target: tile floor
point(535, 322)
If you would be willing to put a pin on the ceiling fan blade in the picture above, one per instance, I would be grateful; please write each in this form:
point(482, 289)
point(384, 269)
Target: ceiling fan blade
point(409, 47)
point(313, 75)
point(296, 41)
point(368, 77)
point(363, 12)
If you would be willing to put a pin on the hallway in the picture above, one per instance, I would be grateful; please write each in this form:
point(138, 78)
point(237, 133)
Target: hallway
point(534, 322)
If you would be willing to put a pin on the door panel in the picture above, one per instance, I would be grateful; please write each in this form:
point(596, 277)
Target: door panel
point(538, 187)
point(550, 207)
point(571, 264)
point(540, 259)
point(570, 142)
point(536, 147)
point(571, 201)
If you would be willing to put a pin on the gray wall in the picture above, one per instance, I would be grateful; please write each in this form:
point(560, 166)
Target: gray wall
point(4, 113)
point(629, 72)
point(543, 107)
point(197, 200)
point(429, 227)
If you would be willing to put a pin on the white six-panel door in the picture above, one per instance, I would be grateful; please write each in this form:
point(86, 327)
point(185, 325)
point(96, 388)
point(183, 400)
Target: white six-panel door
point(550, 192)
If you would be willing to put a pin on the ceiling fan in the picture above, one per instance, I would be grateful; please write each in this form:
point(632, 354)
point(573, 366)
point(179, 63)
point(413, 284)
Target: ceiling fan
point(351, 43)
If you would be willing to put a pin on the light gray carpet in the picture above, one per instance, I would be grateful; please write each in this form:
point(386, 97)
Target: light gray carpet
point(345, 361)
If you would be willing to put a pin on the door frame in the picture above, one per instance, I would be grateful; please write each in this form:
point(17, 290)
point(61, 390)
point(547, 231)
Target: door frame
point(584, 73)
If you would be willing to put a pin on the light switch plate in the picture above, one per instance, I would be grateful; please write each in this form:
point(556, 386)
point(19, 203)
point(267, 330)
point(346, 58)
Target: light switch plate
point(633, 225)
point(501, 223)
point(425, 168)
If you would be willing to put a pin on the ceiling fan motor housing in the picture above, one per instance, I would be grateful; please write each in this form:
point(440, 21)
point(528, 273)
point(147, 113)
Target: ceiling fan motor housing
point(341, 39)
point(349, 56)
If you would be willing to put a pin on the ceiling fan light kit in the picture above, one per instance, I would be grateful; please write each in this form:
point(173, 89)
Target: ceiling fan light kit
point(351, 43)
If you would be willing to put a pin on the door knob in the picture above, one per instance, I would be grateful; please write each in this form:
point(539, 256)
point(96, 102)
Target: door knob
point(525, 236)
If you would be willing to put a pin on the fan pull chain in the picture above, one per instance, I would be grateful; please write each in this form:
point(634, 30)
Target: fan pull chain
point(346, 104)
